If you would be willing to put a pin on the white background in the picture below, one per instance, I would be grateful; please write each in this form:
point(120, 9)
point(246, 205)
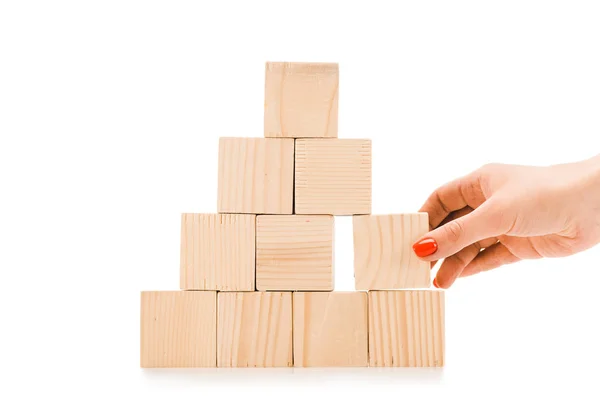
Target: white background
point(110, 114)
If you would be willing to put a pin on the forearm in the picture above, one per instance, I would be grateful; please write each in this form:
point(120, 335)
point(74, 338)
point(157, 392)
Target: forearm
point(590, 200)
point(593, 168)
point(595, 161)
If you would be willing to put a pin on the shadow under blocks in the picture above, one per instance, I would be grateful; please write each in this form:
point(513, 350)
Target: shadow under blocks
point(257, 277)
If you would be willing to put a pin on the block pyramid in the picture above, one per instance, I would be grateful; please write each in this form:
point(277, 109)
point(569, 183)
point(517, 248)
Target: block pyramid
point(257, 278)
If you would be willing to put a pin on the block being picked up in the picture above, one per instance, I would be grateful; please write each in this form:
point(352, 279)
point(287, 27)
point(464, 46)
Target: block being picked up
point(383, 254)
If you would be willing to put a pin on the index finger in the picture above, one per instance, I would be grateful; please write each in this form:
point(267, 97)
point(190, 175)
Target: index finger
point(453, 196)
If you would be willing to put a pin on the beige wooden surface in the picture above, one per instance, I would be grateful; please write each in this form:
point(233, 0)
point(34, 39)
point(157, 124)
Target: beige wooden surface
point(217, 252)
point(406, 328)
point(301, 99)
point(294, 252)
point(256, 176)
point(178, 329)
point(254, 329)
point(383, 255)
point(330, 329)
point(333, 176)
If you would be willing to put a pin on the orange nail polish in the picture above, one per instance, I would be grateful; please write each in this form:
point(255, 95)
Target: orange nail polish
point(435, 283)
point(425, 247)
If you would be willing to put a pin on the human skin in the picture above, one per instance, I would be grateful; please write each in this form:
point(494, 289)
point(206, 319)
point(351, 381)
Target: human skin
point(501, 214)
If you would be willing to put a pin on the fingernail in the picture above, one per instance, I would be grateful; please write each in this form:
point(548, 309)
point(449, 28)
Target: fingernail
point(425, 247)
point(435, 283)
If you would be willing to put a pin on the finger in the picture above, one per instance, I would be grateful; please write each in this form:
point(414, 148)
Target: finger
point(484, 222)
point(452, 266)
point(451, 217)
point(453, 196)
point(490, 258)
point(456, 214)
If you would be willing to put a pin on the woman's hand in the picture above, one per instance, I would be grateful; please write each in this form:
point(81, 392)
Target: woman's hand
point(501, 214)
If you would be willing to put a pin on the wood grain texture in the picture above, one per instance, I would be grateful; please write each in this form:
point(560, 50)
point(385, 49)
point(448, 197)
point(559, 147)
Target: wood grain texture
point(256, 176)
point(333, 176)
point(383, 255)
point(178, 329)
point(294, 252)
point(218, 252)
point(254, 330)
point(330, 329)
point(301, 99)
point(406, 328)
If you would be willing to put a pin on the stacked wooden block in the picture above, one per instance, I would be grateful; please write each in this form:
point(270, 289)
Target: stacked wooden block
point(257, 278)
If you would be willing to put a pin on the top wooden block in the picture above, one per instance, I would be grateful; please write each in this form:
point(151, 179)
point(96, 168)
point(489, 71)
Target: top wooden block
point(256, 176)
point(301, 100)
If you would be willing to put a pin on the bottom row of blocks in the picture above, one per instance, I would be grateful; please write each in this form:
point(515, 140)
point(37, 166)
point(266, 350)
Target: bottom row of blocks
point(399, 328)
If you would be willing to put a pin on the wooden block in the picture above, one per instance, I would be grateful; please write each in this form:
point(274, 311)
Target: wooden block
point(330, 329)
point(178, 329)
point(406, 328)
point(383, 255)
point(294, 252)
point(218, 252)
point(333, 176)
point(254, 330)
point(301, 100)
point(256, 176)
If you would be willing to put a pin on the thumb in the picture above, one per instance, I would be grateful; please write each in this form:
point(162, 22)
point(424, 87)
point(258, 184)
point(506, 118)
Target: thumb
point(484, 222)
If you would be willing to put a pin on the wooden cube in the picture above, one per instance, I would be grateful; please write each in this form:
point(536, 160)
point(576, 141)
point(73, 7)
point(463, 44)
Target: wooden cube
point(294, 252)
point(330, 329)
point(406, 328)
point(383, 254)
point(301, 100)
point(178, 329)
point(256, 176)
point(333, 176)
point(218, 252)
point(254, 330)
